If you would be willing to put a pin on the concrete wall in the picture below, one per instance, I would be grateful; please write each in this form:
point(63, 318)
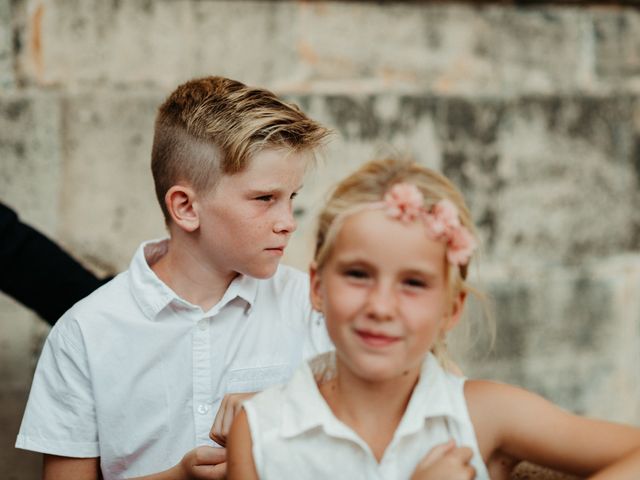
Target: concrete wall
point(534, 112)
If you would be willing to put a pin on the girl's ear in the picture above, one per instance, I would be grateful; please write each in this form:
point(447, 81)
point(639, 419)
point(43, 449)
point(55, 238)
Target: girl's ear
point(180, 202)
point(315, 290)
point(456, 311)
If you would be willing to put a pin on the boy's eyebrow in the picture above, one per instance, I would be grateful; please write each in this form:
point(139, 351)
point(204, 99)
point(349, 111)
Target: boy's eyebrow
point(262, 191)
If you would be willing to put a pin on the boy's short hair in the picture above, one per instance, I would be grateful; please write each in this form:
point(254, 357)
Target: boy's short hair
point(212, 126)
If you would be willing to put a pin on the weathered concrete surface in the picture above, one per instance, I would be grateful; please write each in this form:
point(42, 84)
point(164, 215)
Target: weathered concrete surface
point(617, 48)
point(451, 49)
point(567, 333)
point(7, 78)
point(107, 176)
point(563, 57)
point(567, 166)
point(15, 464)
point(31, 150)
point(20, 340)
point(165, 42)
point(21, 337)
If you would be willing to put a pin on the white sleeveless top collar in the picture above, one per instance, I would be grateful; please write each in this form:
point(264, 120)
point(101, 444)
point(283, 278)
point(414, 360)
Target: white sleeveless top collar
point(296, 435)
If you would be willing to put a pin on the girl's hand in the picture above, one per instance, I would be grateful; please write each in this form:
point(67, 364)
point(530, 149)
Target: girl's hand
point(446, 462)
point(231, 405)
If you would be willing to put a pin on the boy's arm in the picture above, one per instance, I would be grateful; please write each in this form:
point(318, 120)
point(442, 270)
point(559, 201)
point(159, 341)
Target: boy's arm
point(64, 468)
point(240, 461)
point(526, 426)
point(202, 463)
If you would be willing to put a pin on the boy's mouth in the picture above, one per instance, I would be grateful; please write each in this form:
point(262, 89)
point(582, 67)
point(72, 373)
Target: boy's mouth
point(276, 250)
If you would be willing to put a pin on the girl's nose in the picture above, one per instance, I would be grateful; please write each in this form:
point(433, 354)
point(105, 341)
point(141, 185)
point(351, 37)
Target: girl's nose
point(381, 305)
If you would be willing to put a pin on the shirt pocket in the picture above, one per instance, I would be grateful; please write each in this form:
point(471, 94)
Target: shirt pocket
point(257, 379)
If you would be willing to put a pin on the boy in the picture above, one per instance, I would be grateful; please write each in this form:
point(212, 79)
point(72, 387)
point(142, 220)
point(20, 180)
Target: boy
point(131, 377)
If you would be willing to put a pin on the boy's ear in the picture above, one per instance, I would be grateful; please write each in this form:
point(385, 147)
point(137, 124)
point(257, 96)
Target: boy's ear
point(315, 290)
point(179, 200)
point(456, 311)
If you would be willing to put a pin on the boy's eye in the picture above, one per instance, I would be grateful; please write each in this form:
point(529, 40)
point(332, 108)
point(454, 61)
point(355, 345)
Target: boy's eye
point(294, 195)
point(265, 198)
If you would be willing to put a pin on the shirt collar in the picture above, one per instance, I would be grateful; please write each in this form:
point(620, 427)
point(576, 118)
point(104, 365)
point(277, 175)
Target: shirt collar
point(433, 397)
point(153, 295)
point(244, 287)
point(306, 408)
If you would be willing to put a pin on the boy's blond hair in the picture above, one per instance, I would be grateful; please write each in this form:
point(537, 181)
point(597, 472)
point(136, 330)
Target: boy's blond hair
point(212, 126)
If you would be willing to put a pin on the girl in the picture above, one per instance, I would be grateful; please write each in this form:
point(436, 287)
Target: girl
point(393, 250)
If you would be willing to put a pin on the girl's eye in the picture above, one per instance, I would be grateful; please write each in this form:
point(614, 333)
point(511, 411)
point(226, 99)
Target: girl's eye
point(415, 283)
point(356, 273)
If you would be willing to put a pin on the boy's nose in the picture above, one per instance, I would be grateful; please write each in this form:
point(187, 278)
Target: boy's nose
point(286, 223)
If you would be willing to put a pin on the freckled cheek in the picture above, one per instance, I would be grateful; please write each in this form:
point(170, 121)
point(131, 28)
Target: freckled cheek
point(262, 225)
point(253, 230)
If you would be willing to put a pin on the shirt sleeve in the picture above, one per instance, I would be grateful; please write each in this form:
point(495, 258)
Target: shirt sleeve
point(60, 416)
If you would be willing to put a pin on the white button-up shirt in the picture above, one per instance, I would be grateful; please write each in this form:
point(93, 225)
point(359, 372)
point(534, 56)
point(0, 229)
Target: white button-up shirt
point(135, 375)
point(296, 435)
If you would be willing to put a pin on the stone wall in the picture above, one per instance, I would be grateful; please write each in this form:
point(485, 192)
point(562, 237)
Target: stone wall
point(533, 111)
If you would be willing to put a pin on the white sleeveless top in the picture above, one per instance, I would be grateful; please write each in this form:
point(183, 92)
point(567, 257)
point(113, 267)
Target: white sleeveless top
point(296, 436)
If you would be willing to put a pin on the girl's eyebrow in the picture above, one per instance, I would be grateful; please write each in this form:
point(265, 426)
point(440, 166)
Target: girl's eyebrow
point(351, 262)
point(426, 272)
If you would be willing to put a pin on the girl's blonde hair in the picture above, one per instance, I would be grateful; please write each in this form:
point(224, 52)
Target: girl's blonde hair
point(369, 184)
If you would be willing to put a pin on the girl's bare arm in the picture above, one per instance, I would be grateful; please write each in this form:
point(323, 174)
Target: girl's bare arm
point(240, 464)
point(526, 426)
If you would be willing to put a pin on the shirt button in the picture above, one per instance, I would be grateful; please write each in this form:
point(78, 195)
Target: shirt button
point(202, 325)
point(203, 409)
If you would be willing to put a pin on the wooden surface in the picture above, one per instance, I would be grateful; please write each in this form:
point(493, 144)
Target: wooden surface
point(527, 471)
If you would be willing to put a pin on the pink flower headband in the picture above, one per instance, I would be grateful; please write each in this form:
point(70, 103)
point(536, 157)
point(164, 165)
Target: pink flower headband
point(405, 202)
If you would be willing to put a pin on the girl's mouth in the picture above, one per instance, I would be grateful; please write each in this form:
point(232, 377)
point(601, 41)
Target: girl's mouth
point(376, 339)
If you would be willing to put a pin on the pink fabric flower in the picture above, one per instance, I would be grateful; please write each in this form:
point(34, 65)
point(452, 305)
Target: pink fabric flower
point(404, 201)
point(447, 213)
point(460, 246)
